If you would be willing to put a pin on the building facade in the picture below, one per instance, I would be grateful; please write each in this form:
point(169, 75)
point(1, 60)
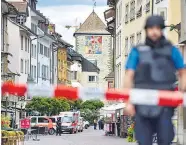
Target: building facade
point(182, 45)
point(95, 44)
point(168, 9)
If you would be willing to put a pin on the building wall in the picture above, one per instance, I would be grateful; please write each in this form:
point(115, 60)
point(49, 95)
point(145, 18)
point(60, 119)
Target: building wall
point(62, 65)
point(85, 79)
point(119, 46)
point(169, 8)
point(103, 60)
point(133, 30)
point(76, 67)
point(21, 54)
point(183, 20)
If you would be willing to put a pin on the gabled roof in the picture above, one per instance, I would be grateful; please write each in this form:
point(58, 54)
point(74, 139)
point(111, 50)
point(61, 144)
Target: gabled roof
point(92, 25)
point(87, 66)
point(22, 7)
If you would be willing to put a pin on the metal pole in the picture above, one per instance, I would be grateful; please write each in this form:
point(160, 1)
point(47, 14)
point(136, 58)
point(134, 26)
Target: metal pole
point(6, 106)
point(15, 112)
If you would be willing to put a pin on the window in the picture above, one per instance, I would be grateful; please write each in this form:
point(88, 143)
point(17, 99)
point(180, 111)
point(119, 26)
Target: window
point(22, 65)
point(48, 52)
point(21, 19)
point(34, 28)
point(163, 12)
point(28, 45)
point(92, 78)
point(74, 75)
point(21, 42)
point(138, 37)
point(35, 51)
point(42, 120)
point(45, 51)
point(32, 50)
point(120, 13)
point(25, 44)
point(53, 120)
point(126, 13)
point(34, 71)
point(28, 66)
point(41, 49)
point(126, 46)
point(25, 66)
point(33, 120)
point(38, 69)
point(132, 10)
point(139, 8)
point(38, 48)
point(132, 41)
point(44, 71)
point(147, 6)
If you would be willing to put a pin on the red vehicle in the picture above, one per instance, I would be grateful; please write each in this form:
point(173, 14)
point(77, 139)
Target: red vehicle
point(70, 121)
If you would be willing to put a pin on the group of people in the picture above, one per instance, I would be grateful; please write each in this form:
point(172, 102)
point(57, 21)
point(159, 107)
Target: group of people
point(100, 123)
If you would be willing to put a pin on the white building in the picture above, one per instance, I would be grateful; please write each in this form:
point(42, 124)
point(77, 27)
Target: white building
point(20, 48)
point(119, 64)
point(41, 46)
point(84, 72)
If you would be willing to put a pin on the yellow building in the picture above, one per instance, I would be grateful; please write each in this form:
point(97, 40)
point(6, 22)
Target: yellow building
point(63, 63)
point(171, 11)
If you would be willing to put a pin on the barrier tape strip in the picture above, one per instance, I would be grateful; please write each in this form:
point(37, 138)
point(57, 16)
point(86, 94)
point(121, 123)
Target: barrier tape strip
point(135, 96)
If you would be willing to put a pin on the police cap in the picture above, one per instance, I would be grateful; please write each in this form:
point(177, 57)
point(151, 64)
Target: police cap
point(155, 20)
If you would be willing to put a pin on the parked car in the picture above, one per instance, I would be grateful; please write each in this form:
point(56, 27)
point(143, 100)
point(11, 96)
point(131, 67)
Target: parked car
point(80, 124)
point(86, 124)
point(42, 122)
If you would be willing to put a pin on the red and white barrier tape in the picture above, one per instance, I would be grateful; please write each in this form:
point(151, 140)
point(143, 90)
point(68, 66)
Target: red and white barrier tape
point(135, 96)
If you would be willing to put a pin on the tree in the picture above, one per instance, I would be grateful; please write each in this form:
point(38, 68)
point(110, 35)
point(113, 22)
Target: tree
point(92, 104)
point(48, 106)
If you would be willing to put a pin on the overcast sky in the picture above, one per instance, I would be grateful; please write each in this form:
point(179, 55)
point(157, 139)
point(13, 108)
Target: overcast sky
point(70, 12)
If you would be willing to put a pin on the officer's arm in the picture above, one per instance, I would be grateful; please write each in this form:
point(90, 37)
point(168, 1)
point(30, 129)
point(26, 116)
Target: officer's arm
point(179, 64)
point(128, 79)
point(182, 79)
point(130, 68)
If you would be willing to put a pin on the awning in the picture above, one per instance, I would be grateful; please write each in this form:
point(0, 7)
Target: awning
point(112, 108)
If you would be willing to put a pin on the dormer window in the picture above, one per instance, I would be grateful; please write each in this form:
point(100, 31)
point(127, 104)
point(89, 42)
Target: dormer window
point(21, 19)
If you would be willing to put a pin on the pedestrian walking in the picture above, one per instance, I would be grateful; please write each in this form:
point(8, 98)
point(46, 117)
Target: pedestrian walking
point(99, 124)
point(58, 126)
point(153, 65)
point(95, 124)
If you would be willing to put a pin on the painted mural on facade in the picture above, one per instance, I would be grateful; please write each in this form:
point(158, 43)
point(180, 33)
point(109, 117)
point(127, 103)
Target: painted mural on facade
point(93, 44)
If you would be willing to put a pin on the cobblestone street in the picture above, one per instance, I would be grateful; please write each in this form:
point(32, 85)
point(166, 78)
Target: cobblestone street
point(88, 137)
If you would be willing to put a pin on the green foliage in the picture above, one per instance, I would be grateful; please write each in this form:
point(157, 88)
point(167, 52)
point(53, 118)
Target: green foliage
point(92, 104)
point(130, 134)
point(48, 106)
point(51, 106)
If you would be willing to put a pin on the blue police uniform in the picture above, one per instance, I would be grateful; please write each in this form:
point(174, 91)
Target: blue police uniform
point(154, 69)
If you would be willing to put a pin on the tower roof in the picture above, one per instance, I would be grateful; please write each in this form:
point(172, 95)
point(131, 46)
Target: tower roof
point(92, 25)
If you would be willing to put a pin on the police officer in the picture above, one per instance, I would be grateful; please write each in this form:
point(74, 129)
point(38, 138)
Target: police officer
point(153, 65)
point(58, 126)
